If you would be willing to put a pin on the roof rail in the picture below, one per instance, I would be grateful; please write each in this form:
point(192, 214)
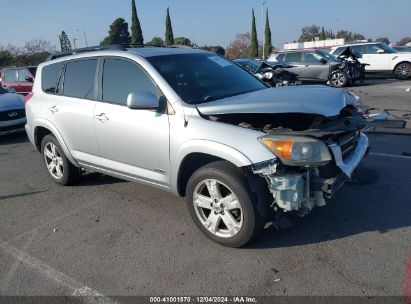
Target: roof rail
point(120, 47)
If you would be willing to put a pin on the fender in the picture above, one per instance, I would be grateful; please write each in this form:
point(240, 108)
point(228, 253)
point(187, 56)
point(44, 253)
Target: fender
point(41, 122)
point(206, 147)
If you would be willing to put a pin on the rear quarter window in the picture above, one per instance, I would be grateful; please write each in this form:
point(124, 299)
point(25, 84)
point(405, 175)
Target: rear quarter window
point(50, 77)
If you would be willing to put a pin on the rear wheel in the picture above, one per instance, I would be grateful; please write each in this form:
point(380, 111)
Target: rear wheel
point(222, 206)
point(339, 79)
point(58, 166)
point(403, 71)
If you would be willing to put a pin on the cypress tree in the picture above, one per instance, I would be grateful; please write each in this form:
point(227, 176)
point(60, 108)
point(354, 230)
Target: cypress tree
point(169, 30)
point(268, 47)
point(136, 32)
point(323, 36)
point(64, 42)
point(254, 41)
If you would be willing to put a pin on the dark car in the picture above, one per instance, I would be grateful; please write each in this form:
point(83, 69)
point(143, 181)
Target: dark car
point(316, 66)
point(274, 75)
point(402, 49)
point(19, 78)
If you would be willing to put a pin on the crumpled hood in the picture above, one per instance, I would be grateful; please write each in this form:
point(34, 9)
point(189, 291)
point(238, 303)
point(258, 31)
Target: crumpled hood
point(316, 99)
point(11, 100)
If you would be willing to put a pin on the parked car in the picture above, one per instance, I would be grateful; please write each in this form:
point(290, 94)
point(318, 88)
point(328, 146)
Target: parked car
point(402, 49)
point(12, 113)
point(380, 58)
point(194, 123)
point(317, 66)
point(19, 78)
point(275, 75)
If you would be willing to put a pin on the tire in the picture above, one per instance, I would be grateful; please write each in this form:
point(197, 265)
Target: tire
point(229, 222)
point(56, 163)
point(338, 79)
point(403, 71)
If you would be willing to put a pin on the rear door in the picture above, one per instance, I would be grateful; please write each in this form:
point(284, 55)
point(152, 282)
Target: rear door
point(294, 59)
point(134, 143)
point(71, 107)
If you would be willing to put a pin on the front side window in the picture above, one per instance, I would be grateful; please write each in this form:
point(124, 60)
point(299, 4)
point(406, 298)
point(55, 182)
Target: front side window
point(204, 77)
point(10, 76)
point(50, 77)
point(121, 77)
point(372, 49)
point(312, 57)
point(280, 57)
point(22, 73)
point(79, 79)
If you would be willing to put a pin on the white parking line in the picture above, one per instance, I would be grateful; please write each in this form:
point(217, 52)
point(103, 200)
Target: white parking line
point(391, 155)
point(78, 289)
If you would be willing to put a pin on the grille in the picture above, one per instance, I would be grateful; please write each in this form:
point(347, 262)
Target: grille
point(12, 115)
point(348, 143)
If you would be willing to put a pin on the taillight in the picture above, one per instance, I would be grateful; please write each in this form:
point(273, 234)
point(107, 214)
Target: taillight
point(28, 97)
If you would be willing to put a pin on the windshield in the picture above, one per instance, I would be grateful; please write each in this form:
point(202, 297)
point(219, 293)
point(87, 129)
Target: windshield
point(387, 48)
point(204, 77)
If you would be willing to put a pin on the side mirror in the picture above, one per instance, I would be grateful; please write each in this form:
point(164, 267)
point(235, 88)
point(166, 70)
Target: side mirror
point(142, 100)
point(323, 60)
point(29, 79)
point(380, 52)
point(11, 90)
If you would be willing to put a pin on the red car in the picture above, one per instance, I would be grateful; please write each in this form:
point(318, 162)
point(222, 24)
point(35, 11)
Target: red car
point(19, 78)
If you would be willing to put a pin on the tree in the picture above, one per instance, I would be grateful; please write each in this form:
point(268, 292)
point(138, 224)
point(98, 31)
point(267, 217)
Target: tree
point(32, 53)
point(309, 33)
point(254, 39)
point(169, 30)
point(136, 32)
point(383, 40)
point(404, 41)
point(357, 36)
point(182, 41)
point(323, 35)
point(157, 41)
point(118, 33)
point(6, 58)
point(268, 47)
point(214, 48)
point(240, 47)
point(65, 44)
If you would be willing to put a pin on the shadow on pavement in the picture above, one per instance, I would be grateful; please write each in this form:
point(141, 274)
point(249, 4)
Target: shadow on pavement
point(16, 138)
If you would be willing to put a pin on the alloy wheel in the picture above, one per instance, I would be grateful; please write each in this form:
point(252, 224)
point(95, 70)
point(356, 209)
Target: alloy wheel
point(338, 79)
point(218, 208)
point(54, 161)
point(404, 71)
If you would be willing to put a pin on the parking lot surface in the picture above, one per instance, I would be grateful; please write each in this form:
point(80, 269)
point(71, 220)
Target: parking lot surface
point(105, 236)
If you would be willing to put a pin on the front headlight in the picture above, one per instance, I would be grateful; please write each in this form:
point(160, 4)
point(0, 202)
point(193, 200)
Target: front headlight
point(298, 151)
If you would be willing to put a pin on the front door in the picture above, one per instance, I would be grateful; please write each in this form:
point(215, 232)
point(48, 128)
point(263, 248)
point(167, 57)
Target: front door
point(134, 143)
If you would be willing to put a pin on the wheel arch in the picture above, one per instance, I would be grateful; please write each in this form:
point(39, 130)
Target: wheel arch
point(44, 128)
point(198, 153)
point(401, 62)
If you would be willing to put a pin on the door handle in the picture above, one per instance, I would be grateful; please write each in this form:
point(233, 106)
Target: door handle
point(102, 117)
point(53, 109)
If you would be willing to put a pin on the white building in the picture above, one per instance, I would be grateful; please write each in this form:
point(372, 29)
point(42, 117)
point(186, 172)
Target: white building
point(329, 43)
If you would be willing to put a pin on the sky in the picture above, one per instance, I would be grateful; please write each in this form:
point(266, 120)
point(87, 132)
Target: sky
point(212, 22)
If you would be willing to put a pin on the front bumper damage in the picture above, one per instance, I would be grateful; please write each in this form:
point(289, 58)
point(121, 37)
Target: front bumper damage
point(299, 190)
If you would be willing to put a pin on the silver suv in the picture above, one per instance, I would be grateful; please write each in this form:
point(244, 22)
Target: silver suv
point(197, 125)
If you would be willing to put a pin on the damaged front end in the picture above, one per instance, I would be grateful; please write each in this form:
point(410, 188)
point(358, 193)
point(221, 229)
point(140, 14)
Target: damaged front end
point(311, 165)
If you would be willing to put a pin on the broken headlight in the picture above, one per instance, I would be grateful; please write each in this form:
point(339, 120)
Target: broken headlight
point(298, 151)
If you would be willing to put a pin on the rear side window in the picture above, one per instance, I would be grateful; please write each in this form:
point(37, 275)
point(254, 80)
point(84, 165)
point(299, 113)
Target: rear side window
point(22, 74)
point(79, 79)
point(10, 76)
point(121, 77)
point(50, 77)
point(293, 57)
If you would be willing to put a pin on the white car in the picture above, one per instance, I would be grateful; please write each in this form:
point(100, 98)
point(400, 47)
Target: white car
point(380, 58)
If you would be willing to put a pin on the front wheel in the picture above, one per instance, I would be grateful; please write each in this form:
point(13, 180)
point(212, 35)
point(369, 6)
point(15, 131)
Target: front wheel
point(403, 71)
point(339, 79)
point(222, 205)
